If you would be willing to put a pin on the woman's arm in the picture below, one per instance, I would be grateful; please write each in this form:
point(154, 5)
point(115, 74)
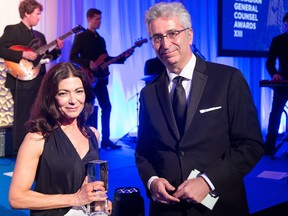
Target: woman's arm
point(22, 197)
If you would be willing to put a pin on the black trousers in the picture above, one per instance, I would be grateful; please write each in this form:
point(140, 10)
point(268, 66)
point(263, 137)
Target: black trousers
point(280, 98)
point(102, 95)
point(23, 101)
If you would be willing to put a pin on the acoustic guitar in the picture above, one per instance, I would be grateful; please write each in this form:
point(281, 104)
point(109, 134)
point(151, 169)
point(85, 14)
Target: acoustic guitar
point(27, 70)
point(101, 73)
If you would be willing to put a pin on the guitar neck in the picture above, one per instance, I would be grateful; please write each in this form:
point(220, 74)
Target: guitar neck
point(43, 49)
point(115, 59)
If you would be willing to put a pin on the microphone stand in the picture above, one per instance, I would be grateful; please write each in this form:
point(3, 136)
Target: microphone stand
point(126, 136)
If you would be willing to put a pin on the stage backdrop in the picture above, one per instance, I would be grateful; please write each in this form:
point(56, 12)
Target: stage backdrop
point(122, 25)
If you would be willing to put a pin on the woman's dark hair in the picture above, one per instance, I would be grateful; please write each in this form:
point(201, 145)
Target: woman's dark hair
point(45, 116)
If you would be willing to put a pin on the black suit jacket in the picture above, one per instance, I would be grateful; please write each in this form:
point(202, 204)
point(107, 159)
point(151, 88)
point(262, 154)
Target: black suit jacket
point(222, 138)
point(19, 34)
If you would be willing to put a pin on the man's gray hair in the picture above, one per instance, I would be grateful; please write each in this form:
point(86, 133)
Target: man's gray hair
point(167, 10)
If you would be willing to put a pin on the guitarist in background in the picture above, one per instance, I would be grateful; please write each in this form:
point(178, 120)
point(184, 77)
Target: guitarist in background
point(24, 92)
point(86, 49)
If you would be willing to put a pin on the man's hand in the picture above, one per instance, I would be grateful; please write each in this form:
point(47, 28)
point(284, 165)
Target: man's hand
point(128, 53)
point(93, 66)
point(60, 44)
point(277, 77)
point(30, 55)
point(192, 190)
point(160, 189)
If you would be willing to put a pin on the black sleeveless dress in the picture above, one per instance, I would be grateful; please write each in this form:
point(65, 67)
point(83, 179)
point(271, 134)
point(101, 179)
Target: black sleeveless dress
point(60, 169)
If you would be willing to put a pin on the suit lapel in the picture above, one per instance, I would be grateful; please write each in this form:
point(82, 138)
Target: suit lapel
point(165, 102)
point(198, 84)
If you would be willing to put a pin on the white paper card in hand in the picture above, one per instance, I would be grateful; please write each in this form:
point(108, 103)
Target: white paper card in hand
point(209, 201)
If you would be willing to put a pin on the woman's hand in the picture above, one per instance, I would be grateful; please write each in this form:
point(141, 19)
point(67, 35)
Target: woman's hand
point(90, 192)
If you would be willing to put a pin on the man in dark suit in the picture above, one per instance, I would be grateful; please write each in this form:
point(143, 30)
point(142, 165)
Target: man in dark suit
point(23, 92)
point(183, 161)
point(278, 51)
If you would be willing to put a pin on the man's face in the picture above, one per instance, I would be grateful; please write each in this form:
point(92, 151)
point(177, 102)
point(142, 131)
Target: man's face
point(95, 21)
point(34, 17)
point(174, 53)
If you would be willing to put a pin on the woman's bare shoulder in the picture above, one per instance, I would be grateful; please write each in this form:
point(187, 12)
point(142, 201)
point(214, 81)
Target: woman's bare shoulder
point(96, 132)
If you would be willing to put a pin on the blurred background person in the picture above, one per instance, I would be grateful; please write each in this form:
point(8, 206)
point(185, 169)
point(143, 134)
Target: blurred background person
point(89, 51)
point(24, 92)
point(277, 55)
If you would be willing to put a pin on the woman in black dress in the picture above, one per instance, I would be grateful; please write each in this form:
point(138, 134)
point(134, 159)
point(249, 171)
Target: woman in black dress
point(57, 147)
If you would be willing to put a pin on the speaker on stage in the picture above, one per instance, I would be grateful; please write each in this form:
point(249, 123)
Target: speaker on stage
point(6, 144)
point(128, 202)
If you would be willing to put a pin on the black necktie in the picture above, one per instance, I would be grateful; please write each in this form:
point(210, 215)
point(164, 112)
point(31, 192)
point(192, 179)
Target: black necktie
point(179, 104)
point(32, 33)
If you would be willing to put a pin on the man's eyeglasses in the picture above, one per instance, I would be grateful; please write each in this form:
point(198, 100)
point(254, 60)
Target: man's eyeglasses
point(172, 36)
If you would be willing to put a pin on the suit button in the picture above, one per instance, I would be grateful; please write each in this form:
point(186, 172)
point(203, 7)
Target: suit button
point(182, 153)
